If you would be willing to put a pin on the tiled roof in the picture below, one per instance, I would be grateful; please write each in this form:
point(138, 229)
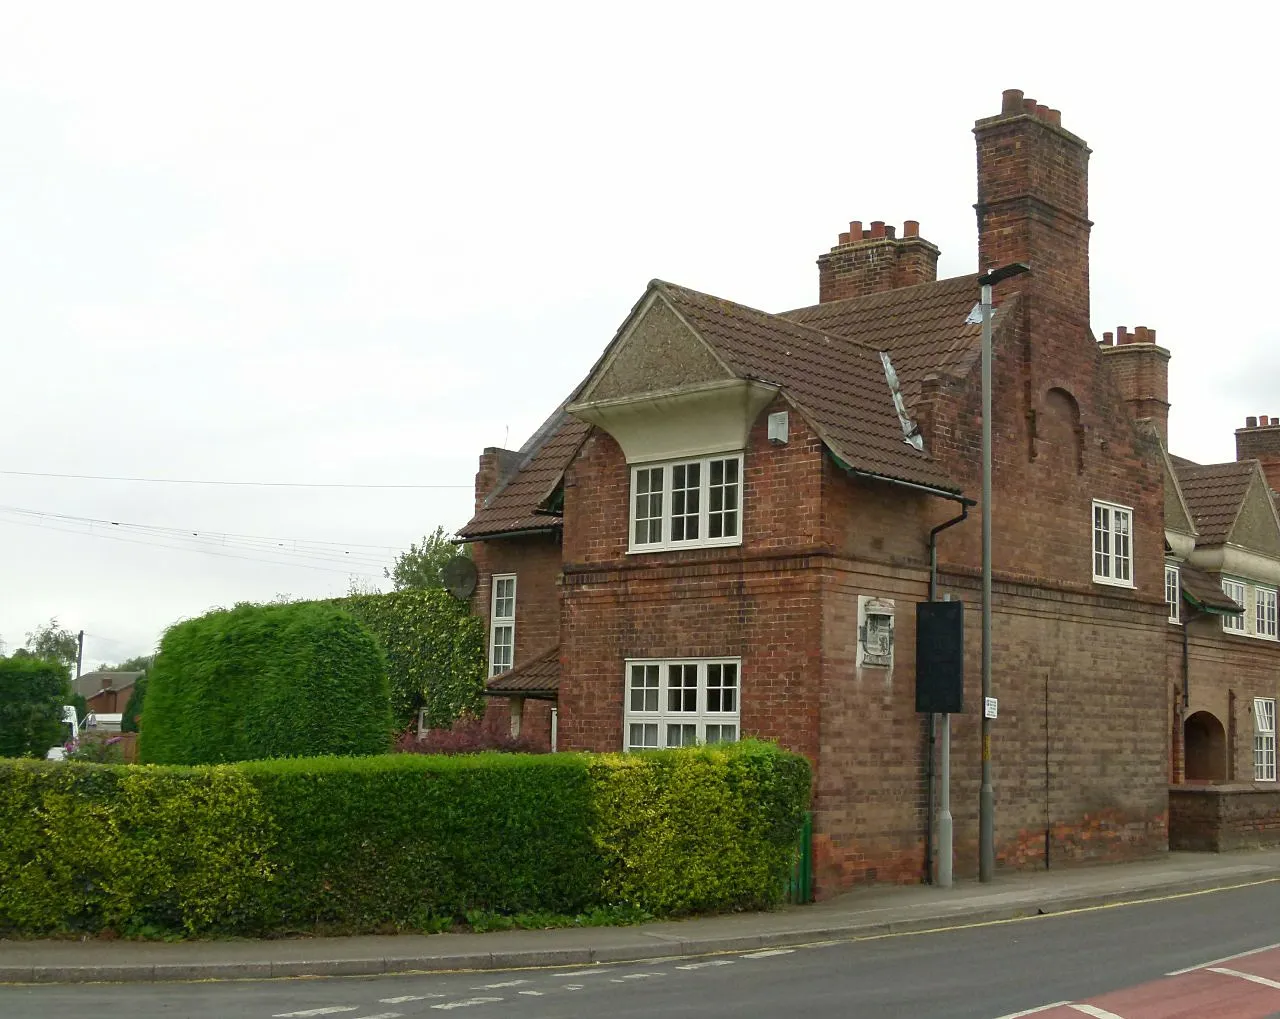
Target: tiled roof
point(538, 677)
point(1203, 591)
point(839, 385)
point(89, 683)
point(924, 329)
point(514, 503)
point(1214, 493)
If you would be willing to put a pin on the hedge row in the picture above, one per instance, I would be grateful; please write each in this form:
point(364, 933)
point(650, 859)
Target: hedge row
point(32, 693)
point(435, 650)
point(393, 842)
point(266, 681)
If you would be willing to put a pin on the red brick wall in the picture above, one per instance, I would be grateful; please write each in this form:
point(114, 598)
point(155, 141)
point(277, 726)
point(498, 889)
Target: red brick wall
point(874, 260)
point(535, 560)
point(1222, 818)
point(1258, 441)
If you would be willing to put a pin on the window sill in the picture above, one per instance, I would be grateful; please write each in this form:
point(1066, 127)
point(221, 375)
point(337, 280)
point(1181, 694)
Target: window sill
point(683, 546)
point(1108, 582)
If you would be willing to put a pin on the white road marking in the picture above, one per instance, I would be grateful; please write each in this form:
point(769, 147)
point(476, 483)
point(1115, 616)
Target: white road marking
point(408, 997)
point(709, 962)
point(573, 987)
point(770, 953)
point(330, 1010)
point(1219, 962)
point(635, 976)
point(494, 987)
point(466, 1003)
point(383, 1015)
point(1095, 1011)
point(609, 969)
point(532, 994)
point(1245, 976)
point(1033, 1011)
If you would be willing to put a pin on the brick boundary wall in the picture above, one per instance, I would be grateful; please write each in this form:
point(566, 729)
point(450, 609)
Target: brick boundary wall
point(1217, 819)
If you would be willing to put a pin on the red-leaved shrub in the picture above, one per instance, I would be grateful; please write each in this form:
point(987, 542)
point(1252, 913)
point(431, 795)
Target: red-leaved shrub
point(467, 736)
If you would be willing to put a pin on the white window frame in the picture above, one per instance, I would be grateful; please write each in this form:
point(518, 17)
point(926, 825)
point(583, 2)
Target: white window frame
point(1264, 739)
point(502, 624)
point(647, 720)
point(1173, 592)
point(1110, 526)
point(1265, 605)
point(1238, 592)
point(665, 542)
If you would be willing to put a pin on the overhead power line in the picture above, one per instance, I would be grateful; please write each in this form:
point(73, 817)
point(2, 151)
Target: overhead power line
point(309, 553)
point(197, 481)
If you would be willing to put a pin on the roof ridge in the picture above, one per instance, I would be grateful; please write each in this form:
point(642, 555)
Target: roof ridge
point(845, 303)
point(775, 316)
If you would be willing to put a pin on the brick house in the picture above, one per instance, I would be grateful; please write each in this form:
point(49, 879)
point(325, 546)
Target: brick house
point(725, 528)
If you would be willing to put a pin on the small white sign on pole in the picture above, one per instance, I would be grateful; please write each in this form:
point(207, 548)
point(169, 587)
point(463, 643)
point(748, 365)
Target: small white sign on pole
point(990, 707)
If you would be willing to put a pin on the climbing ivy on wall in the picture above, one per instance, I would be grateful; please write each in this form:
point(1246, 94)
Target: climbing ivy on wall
point(435, 651)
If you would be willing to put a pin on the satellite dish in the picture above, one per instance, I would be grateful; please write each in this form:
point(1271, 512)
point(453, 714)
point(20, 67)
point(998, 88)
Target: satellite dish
point(459, 576)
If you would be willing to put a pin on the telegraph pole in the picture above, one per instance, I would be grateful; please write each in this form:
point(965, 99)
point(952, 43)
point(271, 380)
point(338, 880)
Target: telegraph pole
point(987, 796)
point(79, 653)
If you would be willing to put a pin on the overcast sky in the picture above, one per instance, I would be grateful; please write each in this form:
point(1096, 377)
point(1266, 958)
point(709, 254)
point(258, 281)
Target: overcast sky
point(353, 244)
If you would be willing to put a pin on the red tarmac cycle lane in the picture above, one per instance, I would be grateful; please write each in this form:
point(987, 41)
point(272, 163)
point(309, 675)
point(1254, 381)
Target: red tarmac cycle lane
point(1246, 987)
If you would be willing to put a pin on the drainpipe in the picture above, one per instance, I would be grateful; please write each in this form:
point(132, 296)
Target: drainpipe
point(933, 718)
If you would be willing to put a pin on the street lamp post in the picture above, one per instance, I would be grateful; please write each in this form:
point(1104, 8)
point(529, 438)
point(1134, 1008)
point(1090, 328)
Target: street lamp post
point(987, 797)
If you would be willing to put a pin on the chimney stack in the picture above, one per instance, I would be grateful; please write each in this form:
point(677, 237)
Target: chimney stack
point(1033, 203)
point(1140, 369)
point(874, 260)
point(1259, 440)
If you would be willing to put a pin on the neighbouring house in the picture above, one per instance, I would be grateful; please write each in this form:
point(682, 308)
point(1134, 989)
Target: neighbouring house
point(106, 693)
point(724, 530)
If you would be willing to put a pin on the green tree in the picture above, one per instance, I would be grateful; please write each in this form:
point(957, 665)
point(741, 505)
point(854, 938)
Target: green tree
point(52, 642)
point(419, 568)
point(133, 709)
point(32, 693)
point(139, 663)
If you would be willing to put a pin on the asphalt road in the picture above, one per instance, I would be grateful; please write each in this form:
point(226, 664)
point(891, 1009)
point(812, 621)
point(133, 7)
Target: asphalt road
point(1122, 954)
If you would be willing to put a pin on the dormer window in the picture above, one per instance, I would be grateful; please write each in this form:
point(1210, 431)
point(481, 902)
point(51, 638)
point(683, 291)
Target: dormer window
point(686, 504)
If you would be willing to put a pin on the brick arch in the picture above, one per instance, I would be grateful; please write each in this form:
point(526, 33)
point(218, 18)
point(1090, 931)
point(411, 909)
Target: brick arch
point(1058, 433)
point(1205, 743)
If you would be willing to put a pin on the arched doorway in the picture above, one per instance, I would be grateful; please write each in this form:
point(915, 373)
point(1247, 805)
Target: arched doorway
point(1206, 748)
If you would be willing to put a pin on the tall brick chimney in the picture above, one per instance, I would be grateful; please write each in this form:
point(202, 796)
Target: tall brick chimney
point(873, 260)
point(1259, 439)
point(1033, 203)
point(1141, 369)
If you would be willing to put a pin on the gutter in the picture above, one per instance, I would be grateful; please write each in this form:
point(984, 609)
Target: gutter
point(505, 534)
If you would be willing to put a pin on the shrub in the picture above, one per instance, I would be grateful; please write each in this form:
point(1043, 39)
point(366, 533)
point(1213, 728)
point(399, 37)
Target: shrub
point(435, 652)
point(133, 707)
point(466, 736)
point(265, 681)
point(398, 841)
point(134, 849)
point(32, 693)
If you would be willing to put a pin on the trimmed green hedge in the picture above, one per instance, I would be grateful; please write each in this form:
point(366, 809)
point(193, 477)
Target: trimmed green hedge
point(393, 842)
point(435, 652)
point(32, 694)
point(263, 681)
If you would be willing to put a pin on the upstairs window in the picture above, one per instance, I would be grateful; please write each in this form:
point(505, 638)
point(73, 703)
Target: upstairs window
point(1235, 590)
point(1112, 544)
point(1172, 593)
point(687, 504)
point(502, 624)
point(681, 703)
point(1264, 739)
point(1265, 612)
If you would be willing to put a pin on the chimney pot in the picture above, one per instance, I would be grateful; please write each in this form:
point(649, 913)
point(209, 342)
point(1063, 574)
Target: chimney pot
point(911, 228)
point(1264, 421)
point(1122, 334)
point(1011, 101)
point(855, 230)
point(1251, 422)
point(877, 228)
point(891, 232)
point(844, 238)
point(1054, 117)
point(1108, 338)
point(1042, 111)
point(1029, 106)
point(1151, 336)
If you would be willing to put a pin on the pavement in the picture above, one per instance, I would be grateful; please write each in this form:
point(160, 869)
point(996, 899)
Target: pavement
point(863, 913)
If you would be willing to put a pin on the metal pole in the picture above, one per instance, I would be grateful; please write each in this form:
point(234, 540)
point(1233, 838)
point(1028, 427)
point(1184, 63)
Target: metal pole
point(944, 811)
point(987, 798)
point(79, 654)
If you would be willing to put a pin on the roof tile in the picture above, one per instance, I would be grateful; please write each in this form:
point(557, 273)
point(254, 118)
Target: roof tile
point(539, 676)
point(1214, 494)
